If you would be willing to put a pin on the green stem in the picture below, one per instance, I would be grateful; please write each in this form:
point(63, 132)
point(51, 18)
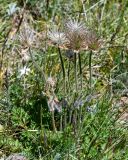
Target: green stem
point(90, 71)
point(70, 116)
point(63, 69)
point(80, 67)
point(61, 121)
point(53, 122)
point(65, 119)
point(41, 125)
point(75, 71)
point(68, 74)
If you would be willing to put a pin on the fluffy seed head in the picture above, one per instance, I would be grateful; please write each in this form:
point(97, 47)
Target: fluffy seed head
point(76, 35)
point(57, 37)
point(80, 37)
point(74, 26)
point(93, 42)
point(27, 36)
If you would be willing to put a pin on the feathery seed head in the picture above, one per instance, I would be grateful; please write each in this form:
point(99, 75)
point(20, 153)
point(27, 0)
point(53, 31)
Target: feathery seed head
point(93, 42)
point(80, 37)
point(74, 26)
point(57, 37)
point(76, 35)
point(27, 36)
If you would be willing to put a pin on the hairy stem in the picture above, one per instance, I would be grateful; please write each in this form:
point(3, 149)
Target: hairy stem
point(80, 67)
point(53, 122)
point(75, 72)
point(63, 69)
point(90, 71)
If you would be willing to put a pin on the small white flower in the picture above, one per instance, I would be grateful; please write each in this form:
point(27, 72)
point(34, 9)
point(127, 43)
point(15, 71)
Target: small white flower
point(24, 71)
point(12, 8)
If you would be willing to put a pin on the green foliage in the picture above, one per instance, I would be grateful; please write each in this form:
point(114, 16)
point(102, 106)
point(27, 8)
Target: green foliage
point(56, 103)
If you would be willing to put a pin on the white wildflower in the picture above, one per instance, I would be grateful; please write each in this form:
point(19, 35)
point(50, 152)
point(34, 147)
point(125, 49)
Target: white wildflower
point(24, 71)
point(12, 8)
